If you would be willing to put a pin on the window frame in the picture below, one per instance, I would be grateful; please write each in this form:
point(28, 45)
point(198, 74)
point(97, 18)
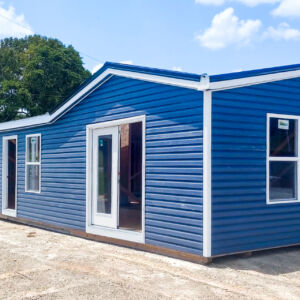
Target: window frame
point(283, 159)
point(28, 163)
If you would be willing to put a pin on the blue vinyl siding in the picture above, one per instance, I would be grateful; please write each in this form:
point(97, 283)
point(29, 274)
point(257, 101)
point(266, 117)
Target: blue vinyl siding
point(173, 160)
point(241, 219)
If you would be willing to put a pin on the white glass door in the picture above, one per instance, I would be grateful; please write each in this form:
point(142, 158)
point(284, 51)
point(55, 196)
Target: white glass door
point(105, 177)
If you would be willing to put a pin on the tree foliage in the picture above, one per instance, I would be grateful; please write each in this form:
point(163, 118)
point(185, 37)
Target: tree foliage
point(36, 75)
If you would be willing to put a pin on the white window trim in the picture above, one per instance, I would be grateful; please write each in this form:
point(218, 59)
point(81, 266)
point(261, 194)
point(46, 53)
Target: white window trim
point(270, 158)
point(33, 163)
point(7, 211)
point(128, 235)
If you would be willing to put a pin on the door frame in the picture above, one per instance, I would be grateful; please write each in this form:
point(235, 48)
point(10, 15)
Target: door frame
point(5, 210)
point(105, 219)
point(121, 234)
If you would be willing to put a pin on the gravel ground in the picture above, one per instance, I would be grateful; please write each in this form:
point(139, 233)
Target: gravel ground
point(38, 264)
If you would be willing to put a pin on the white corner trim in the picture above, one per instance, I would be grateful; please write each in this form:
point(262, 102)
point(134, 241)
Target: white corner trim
point(207, 123)
point(246, 81)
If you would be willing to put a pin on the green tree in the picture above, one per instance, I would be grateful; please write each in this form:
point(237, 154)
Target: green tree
point(36, 75)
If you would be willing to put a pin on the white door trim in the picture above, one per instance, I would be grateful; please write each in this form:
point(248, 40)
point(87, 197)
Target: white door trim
point(121, 234)
point(102, 219)
point(5, 210)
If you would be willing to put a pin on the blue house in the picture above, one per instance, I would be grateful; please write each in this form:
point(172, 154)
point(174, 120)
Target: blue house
point(187, 165)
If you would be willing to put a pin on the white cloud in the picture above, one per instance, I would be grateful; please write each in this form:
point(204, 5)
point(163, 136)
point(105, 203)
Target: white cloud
point(210, 2)
point(288, 8)
point(246, 2)
point(126, 62)
point(13, 25)
point(282, 32)
point(257, 2)
point(96, 68)
point(227, 29)
point(177, 69)
point(99, 66)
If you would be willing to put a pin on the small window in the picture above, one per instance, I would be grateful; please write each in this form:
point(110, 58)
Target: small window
point(282, 159)
point(33, 163)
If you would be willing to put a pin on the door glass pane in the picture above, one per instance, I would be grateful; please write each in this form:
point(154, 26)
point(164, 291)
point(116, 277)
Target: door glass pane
point(104, 174)
point(283, 178)
point(33, 177)
point(283, 137)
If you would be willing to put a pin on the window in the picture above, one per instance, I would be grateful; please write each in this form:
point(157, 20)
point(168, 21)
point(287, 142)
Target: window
point(33, 163)
point(282, 159)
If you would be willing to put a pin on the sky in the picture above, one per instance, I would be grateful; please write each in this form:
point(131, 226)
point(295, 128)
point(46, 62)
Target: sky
point(198, 36)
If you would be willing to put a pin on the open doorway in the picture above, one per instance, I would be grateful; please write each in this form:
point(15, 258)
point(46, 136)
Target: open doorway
point(9, 175)
point(130, 194)
point(115, 181)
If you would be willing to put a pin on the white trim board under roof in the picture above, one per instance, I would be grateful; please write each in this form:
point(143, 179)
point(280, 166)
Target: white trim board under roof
point(179, 79)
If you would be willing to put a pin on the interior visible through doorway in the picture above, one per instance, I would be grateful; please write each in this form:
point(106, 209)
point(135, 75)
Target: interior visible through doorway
point(130, 194)
point(11, 174)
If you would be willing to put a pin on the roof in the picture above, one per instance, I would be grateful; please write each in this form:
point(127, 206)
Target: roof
point(257, 72)
point(201, 82)
point(138, 69)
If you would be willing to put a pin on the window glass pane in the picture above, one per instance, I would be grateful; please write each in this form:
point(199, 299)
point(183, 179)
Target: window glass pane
point(33, 149)
point(33, 177)
point(283, 178)
point(283, 137)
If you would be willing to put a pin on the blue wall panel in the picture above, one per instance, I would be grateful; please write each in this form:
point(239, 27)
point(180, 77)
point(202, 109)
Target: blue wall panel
point(241, 218)
point(173, 160)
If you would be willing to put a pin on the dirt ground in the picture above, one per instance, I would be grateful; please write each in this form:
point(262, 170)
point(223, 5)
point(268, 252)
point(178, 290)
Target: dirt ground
point(38, 264)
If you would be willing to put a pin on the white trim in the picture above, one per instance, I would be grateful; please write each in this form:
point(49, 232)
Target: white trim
point(128, 235)
point(272, 158)
point(119, 234)
point(26, 122)
point(33, 163)
point(106, 219)
point(203, 84)
point(278, 158)
point(9, 212)
point(5, 210)
point(270, 115)
point(117, 122)
point(246, 81)
point(185, 83)
point(207, 123)
point(96, 83)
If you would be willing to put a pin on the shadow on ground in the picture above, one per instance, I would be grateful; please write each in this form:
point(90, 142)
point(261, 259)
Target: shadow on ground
point(269, 262)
